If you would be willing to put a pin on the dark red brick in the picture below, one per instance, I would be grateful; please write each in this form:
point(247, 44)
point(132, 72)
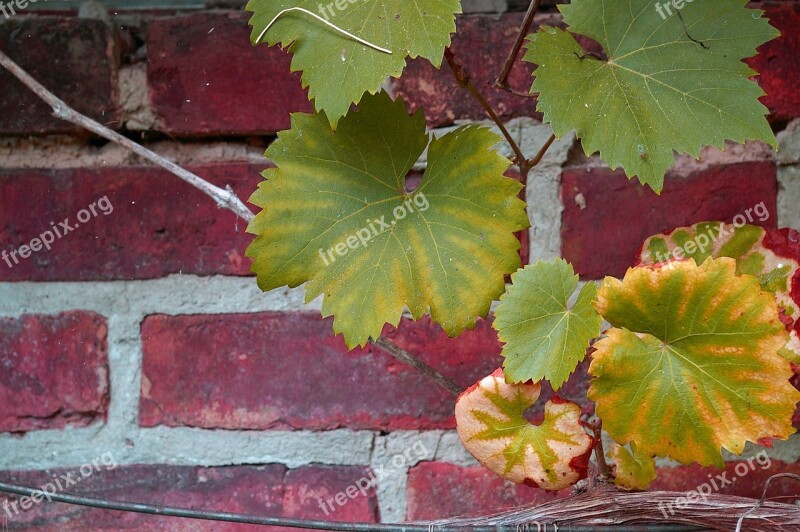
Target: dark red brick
point(440, 491)
point(54, 371)
point(159, 225)
point(206, 79)
point(748, 481)
point(250, 490)
point(778, 61)
point(287, 371)
point(72, 57)
point(312, 492)
point(481, 46)
point(604, 238)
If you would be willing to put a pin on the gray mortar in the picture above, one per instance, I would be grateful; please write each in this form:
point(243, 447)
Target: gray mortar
point(125, 304)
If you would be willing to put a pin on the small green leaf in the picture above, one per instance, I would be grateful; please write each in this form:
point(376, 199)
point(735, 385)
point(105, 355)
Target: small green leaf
point(544, 338)
point(490, 418)
point(337, 69)
point(669, 84)
point(635, 470)
point(336, 215)
point(691, 365)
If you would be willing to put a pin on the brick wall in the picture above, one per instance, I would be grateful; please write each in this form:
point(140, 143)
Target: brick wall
point(140, 338)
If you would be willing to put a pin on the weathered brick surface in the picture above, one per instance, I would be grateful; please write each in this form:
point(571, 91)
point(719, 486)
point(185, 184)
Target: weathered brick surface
point(206, 78)
point(607, 217)
point(331, 494)
point(54, 371)
point(741, 478)
point(778, 61)
point(267, 490)
point(480, 45)
point(440, 490)
point(287, 370)
point(72, 57)
point(159, 225)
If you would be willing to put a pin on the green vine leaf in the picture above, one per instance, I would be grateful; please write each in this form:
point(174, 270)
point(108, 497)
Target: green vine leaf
point(771, 255)
point(672, 83)
point(635, 470)
point(694, 354)
point(336, 215)
point(490, 419)
point(544, 338)
point(337, 69)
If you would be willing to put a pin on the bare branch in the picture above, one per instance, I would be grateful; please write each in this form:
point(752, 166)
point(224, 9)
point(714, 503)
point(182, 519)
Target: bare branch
point(224, 198)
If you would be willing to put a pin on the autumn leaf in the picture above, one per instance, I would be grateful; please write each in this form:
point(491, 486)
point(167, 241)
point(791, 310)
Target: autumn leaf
point(490, 419)
point(691, 365)
point(635, 470)
point(337, 216)
point(771, 255)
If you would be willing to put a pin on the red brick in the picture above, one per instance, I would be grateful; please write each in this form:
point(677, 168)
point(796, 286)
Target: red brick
point(159, 225)
point(250, 490)
point(287, 371)
point(440, 491)
point(55, 371)
point(310, 493)
point(207, 79)
point(480, 45)
point(779, 62)
point(72, 57)
point(604, 238)
point(750, 483)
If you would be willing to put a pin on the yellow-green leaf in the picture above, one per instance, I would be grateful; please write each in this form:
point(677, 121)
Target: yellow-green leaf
point(691, 365)
point(635, 470)
point(545, 338)
point(490, 418)
point(337, 216)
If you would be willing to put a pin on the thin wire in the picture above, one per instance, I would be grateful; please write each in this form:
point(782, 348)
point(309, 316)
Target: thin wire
point(334, 26)
point(209, 516)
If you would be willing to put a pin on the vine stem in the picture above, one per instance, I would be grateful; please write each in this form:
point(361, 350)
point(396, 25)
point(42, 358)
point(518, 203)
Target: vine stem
point(418, 365)
point(224, 198)
point(465, 80)
point(502, 80)
point(599, 452)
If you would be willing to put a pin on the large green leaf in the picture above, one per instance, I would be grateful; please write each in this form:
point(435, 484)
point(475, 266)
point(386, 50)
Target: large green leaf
point(544, 338)
point(692, 365)
point(336, 68)
point(336, 214)
point(757, 252)
point(490, 418)
point(673, 83)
